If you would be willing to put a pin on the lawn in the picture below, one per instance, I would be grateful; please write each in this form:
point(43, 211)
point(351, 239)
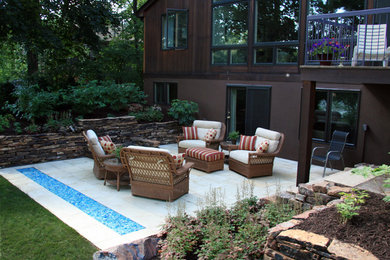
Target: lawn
point(29, 231)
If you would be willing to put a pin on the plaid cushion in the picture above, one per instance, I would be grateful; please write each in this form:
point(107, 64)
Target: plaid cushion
point(247, 143)
point(205, 154)
point(190, 132)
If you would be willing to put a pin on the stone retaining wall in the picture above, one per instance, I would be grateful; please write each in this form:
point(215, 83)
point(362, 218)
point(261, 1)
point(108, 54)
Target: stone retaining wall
point(34, 148)
point(286, 242)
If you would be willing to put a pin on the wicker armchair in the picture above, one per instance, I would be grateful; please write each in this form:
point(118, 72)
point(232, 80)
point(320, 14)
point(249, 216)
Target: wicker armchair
point(203, 126)
point(153, 173)
point(253, 164)
point(98, 154)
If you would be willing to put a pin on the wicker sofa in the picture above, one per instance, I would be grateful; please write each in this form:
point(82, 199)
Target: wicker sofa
point(252, 163)
point(154, 174)
point(98, 154)
point(203, 126)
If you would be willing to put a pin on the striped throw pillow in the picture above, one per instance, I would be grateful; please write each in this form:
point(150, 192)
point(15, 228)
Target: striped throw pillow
point(247, 143)
point(190, 132)
point(105, 138)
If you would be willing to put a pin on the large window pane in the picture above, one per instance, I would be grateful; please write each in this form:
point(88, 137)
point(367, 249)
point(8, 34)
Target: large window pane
point(276, 20)
point(331, 6)
point(230, 24)
point(174, 30)
point(344, 115)
point(336, 110)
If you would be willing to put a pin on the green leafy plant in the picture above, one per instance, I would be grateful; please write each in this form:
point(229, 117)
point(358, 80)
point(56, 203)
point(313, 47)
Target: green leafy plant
point(32, 128)
point(328, 46)
point(184, 111)
point(117, 151)
point(233, 136)
point(218, 232)
point(151, 114)
point(378, 171)
point(351, 204)
point(5, 121)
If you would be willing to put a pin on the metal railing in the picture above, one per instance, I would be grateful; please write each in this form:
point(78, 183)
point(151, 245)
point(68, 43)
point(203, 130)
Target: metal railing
point(348, 38)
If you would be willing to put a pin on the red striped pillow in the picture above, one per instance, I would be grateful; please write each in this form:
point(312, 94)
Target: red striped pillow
point(105, 138)
point(247, 143)
point(190, 132)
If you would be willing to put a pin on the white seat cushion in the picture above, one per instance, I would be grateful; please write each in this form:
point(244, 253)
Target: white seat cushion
point(240, 155)
point(148, 148)
point(192, 143)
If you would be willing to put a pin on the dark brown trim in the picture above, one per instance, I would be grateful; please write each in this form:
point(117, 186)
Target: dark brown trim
point(306, 133)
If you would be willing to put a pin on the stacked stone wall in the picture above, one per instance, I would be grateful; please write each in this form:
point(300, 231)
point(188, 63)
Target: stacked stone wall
point(34, 148)
point(286, 242)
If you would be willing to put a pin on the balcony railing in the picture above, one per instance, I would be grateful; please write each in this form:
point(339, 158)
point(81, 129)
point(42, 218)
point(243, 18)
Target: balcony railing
point(350, 38)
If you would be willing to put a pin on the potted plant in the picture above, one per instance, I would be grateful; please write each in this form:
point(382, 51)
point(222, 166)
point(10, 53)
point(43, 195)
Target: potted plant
point(233, 136)
point(326, 49)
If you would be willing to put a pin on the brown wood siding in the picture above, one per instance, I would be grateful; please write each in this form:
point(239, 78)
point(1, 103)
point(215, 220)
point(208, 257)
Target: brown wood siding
point(195, 59)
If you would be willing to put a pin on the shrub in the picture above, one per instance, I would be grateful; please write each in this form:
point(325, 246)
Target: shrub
point(5, 121)
point(151, 114)
point(32, 103)
point(184, 111)
point(217, 232)
point(88, 97)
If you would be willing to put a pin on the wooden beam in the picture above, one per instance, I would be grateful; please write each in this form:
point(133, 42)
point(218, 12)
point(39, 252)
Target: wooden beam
point(306, 131)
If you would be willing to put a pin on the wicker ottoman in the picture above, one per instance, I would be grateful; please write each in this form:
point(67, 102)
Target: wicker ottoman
point(205, 159)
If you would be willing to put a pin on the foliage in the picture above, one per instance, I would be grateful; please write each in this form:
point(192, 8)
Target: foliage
point(151, 114)
point(234, 135)
point(32, 103)
point(184, 111)
point(328, 47)
point(351, 204)
point(5, 121)
point(378, 171)
point(12, 63)
point(218, 232)
point(117, 151)
point(57, 120)
point(29, 231)
point(88, 97)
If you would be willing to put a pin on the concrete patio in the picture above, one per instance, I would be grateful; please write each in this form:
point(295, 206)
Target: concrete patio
point(149, 213)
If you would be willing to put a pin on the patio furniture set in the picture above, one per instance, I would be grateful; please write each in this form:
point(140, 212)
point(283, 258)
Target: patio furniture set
point(158, 174)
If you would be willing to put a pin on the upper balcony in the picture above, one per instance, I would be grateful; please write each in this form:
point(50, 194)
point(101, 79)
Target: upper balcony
point(355, 38)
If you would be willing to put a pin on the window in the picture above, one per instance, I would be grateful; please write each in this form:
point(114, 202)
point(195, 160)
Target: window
point(174, 29)
point(164, 92)
point(336, 110)
point(229, 33)
point(276, 31)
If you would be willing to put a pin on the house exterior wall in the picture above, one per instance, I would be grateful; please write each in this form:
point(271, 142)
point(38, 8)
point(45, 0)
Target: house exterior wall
point(199, 81)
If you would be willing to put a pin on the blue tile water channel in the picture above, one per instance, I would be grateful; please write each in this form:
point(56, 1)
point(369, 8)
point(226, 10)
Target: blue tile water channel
point(112, 219)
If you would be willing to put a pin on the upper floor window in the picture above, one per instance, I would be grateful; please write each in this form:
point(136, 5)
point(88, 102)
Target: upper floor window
point(164, 92)
point(174, 29)
point(336, 110)
point(229, 32)
point(276, 31)
point(330, 6)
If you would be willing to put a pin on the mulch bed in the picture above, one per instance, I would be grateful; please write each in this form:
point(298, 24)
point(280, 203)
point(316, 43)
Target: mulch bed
point(369, 230)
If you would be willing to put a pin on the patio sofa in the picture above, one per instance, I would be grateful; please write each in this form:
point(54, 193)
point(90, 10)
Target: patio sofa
point(255, 155)
point(199, 135)
point(155, 174)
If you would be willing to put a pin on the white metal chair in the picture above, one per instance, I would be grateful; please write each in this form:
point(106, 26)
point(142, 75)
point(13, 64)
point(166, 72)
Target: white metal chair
point(371, 44)
point(335, 151)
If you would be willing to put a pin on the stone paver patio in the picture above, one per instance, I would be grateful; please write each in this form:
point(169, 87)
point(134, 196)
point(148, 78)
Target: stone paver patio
point(148, 213)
